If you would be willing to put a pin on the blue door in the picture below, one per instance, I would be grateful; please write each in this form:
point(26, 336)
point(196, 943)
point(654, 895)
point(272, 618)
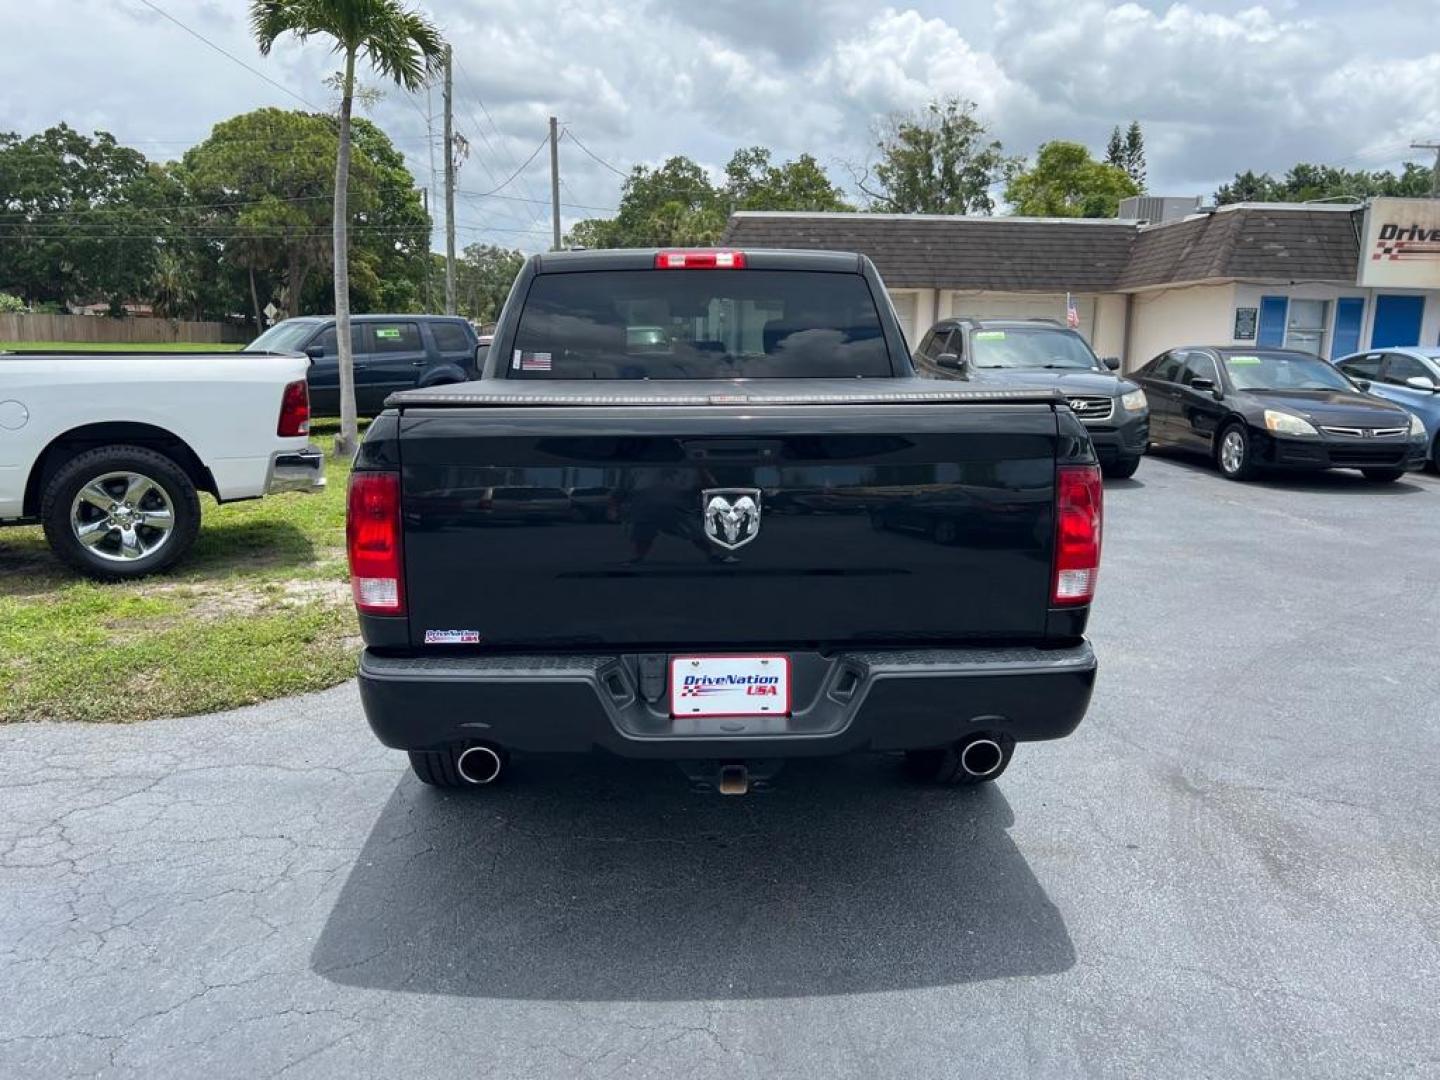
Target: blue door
point(1273, 310)
point(1397, 321)
point(1349, 312)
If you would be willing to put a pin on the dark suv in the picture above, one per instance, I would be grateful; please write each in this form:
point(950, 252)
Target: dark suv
point(1037, 352)
point(392, 352)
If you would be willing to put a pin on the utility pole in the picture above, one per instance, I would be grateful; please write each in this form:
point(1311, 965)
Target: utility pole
point(449, 185)
point(555, 181)
point(429, 262)
point(429, 195)
point(1434, 173)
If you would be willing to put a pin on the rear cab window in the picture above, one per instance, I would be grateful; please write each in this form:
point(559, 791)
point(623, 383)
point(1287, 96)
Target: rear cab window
point(699, 324)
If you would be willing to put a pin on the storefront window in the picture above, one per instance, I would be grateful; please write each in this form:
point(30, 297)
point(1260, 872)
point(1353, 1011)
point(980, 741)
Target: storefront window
point(1305, 329)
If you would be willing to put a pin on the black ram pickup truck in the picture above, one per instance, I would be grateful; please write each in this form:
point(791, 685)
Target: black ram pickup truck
point(700, 507)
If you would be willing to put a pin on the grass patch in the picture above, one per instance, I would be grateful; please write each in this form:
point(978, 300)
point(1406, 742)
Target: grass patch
point(259, 609)
point(113, 346)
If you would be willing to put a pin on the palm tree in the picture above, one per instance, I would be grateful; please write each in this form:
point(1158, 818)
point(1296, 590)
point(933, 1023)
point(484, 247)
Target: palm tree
point(401, 45)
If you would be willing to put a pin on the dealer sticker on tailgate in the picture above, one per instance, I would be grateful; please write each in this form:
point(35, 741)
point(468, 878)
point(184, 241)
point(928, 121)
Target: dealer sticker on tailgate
point(729, 685)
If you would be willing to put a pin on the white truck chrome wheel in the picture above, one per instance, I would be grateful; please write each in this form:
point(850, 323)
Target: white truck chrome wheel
point(122, 516)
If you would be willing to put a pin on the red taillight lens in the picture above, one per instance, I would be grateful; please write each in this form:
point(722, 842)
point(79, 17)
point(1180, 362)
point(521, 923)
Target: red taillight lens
point(700, 259)
point(372, 539)
point(294, 410)
point(1079, 510)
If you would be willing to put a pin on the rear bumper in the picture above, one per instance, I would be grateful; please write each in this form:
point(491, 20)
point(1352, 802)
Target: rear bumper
point(296, 470)
point(881, 700)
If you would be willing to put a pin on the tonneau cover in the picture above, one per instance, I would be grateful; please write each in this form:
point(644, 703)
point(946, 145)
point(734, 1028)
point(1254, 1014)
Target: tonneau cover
point(689, 392)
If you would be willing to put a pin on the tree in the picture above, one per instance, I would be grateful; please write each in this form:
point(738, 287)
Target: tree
point(1127, 153)
point(1309, 183)
point(402, 45)
point(674, 205)
point(393, 245)
point(74, 219)
point(261, 187)
point(1067, 182)
point(752, 182)
point(1135, 156)
point(938, 162)
point(483, 276)
point(1248, 187)
point(1115, 148)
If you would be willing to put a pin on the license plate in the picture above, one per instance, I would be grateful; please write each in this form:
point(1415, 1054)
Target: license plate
point(729, 685)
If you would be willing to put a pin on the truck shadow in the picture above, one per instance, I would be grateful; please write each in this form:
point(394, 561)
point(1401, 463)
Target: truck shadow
point(248, 545)
point(602, 879)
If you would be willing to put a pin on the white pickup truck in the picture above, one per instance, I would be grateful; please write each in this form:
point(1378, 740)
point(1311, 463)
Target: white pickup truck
point(110, 451)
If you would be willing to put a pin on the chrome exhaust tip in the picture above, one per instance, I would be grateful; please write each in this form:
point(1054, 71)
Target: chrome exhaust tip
point(982, 757)
point(479, 764)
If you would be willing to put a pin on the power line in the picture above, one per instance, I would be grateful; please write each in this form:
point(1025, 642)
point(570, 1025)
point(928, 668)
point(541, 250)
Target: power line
point(480, 129)
point(1435, 173)
point(583, 206)
point(170, 232)
point(229, 55)
point(422, 113)
point(485, 164)
point(144, 209)
point(594, 156)
point(545, 202)
point(271, 145)
point(507, 181)
point(1382, 152)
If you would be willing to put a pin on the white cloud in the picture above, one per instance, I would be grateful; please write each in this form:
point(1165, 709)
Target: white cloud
point(1219, 85)
point(901, 61)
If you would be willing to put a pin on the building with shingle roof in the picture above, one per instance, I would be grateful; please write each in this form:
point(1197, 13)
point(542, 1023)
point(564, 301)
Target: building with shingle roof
point(1263, 273)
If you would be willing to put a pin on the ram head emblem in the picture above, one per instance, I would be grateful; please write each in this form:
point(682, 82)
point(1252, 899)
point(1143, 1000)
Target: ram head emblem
point(732, 515)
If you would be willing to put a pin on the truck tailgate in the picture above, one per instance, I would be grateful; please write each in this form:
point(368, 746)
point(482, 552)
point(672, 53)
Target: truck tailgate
point(581, 526)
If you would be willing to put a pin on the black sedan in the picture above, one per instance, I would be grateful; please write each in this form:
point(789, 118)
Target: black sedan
point(1253, 409)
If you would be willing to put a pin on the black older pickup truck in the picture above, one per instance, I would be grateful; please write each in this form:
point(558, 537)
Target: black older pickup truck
point(700, 507)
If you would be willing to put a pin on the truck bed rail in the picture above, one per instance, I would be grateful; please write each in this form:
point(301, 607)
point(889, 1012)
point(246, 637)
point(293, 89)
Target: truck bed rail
point(514, 393)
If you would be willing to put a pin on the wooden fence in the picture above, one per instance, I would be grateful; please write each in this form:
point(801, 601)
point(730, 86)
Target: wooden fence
point(100, 328)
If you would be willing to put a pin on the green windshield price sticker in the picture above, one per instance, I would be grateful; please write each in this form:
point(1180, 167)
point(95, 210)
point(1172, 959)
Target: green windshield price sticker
point(387, 333)
point(990, 335)
point(1243, 361)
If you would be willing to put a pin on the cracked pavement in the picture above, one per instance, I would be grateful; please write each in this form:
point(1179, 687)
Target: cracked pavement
point(1232, 869)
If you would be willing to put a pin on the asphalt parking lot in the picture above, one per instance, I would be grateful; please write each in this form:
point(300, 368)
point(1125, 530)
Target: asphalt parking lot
point(1232, 869)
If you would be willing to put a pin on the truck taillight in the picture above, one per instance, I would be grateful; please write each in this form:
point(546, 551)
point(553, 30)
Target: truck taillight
point(700, 259)
point(1079, 510)
point(372, 540)
point(294, 410)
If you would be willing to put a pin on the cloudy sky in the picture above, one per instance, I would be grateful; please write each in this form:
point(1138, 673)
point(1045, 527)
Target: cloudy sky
point(1218, 85)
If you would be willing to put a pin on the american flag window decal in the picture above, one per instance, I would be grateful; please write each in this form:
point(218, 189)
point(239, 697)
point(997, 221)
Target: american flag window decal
point(526, 360)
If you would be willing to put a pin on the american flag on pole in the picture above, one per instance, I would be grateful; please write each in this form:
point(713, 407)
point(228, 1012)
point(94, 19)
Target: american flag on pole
point(1072, 313)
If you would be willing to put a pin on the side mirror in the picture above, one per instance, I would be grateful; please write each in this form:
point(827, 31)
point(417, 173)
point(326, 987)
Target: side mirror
point(1112, 363)
point(1205, 386)
point(1422, 382)
point(315, 352)
point(1363, 384)
point(950, 362)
